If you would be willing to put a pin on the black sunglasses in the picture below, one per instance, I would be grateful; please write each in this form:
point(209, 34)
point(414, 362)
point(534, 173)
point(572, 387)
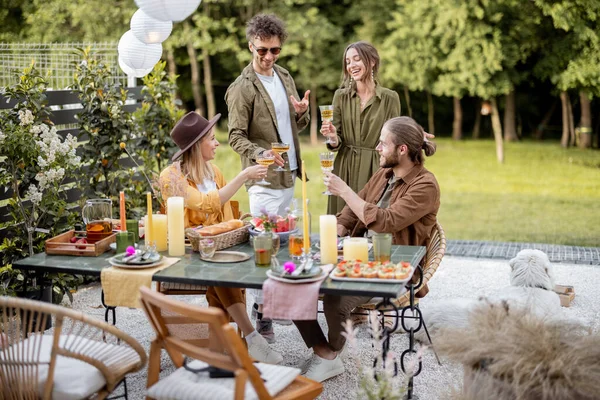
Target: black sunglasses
point(262, 51)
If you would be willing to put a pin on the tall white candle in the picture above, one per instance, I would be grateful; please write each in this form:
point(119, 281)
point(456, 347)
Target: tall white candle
point(159, 231)
point(176, 228)
point(328, 238)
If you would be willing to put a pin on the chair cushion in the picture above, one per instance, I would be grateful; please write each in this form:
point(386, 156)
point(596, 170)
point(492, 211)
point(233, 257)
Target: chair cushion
point(185, 385)
point(73, 378)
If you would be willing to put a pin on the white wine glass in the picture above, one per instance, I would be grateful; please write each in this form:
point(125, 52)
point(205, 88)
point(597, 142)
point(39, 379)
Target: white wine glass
point(327, 166)
point(264, 160)
point(280, 148)
point(327, 116)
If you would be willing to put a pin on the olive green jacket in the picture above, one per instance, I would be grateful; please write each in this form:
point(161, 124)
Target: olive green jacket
point(253, 123)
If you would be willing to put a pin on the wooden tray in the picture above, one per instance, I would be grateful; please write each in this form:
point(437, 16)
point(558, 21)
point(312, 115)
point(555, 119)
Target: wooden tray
point(62, 245)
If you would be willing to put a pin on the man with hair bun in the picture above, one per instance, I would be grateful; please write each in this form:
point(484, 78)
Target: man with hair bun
point(264, 108)
point(401, 198)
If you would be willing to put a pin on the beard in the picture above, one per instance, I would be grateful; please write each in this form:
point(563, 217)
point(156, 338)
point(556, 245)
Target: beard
point(390, 162)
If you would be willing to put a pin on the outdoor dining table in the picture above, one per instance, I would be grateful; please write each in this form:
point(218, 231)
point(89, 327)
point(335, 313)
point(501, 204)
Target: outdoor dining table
point(193, 270)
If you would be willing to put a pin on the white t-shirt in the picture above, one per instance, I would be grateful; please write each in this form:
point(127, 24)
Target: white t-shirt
point(278, 95)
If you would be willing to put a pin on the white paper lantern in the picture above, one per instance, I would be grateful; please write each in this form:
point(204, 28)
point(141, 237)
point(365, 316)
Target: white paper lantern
point(138, 55)
point(168, 10)
point(148, 29)
point(138, 73)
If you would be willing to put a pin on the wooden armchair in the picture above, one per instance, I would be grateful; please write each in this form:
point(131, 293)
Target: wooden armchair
point(191, 380)
point(72, 362)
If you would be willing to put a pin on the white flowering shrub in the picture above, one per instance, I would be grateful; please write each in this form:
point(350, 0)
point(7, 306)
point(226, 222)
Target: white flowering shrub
point(34, 162)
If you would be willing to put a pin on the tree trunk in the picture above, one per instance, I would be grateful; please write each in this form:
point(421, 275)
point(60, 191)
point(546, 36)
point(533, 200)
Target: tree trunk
point(407, 98)
point(172, 66)
point(430, 113)
point(585, 124)
point(208, 85)
point(510, 132)
point(497, 128)
point(539, 131)
point(314, 111)
point(195, 70)
point(571, 122)
point(477, 124)
point(458, 116)
point(564, 100)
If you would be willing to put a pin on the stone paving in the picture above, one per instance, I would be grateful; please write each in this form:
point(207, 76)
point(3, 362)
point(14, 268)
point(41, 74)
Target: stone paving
point(507, 250)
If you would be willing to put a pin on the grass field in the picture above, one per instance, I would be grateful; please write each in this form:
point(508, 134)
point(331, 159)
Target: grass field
point(542, 193)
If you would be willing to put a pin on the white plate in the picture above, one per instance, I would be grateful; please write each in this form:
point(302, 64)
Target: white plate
point(134, 266)
point(113, 246)
point(372, 280)
point(226, 256)
point(278, 278)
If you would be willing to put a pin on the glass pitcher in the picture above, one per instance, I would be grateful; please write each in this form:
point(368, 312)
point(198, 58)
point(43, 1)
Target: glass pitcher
point(97, 216)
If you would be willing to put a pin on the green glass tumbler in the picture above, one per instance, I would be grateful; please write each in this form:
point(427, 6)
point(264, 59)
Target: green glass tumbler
point(124, 239)
point(133, 225)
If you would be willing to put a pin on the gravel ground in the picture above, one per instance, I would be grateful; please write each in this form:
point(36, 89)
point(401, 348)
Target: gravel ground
point(456, 277)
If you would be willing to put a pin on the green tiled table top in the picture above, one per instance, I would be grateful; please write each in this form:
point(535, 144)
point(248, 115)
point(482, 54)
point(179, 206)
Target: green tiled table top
point(191, 269)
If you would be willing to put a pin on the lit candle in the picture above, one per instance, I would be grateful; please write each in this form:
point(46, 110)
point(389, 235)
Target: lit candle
point(306, 236)
point(148, 228)
point(122, 212)
point(356, 249)
point(159, 231)
point(176, 229)
point(328, 239)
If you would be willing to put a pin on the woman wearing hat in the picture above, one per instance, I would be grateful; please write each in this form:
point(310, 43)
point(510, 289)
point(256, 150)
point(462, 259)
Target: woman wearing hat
point(207, 195)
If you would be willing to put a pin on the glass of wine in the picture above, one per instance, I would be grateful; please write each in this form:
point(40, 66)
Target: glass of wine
point(327, 166)
point(265, 160)
point(280, 148)
point(326, 116)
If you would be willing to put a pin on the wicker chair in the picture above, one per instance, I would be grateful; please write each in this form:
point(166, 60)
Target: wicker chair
point(435, 252)
point(72, 361)
point(191, 380)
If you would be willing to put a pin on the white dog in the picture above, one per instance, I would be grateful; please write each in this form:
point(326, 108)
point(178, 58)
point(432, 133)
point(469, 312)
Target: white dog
point(531, 290)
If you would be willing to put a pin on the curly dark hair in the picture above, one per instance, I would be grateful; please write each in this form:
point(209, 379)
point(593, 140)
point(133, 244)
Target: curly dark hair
point(266, 26)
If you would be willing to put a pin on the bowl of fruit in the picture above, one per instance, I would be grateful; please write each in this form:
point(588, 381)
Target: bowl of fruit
point(283, 226)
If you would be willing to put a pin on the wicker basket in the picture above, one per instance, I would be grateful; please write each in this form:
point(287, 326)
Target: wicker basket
point(223, 240)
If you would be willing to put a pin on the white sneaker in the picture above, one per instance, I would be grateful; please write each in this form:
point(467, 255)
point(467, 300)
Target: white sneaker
point(321, 369)
point(259, 349)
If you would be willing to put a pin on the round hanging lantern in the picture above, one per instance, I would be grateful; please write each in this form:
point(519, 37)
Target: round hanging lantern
point(168, 10)
point(138, 73)
point(137, 55)
point(149, 30)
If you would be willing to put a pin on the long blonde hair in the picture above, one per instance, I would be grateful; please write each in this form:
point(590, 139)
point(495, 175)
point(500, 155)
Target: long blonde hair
point(193, 165)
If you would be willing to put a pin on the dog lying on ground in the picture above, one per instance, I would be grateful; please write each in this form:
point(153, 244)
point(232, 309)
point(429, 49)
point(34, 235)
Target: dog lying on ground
point(531, 290)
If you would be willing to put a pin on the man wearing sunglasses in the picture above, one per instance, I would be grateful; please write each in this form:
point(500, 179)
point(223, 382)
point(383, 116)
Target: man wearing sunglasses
point(264, 108)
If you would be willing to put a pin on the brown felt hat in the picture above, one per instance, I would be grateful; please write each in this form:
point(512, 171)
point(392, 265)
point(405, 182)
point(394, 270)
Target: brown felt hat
point(189, 129)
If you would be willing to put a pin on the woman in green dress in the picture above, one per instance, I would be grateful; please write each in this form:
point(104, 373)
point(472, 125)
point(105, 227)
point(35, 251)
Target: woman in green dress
point(360, 108)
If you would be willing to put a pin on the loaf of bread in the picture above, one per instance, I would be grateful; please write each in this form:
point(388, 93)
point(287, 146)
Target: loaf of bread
point(219, 228)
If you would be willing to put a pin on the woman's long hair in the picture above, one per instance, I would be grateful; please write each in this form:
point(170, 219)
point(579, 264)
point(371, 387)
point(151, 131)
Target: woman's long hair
point(368, 54)
point(193, 165)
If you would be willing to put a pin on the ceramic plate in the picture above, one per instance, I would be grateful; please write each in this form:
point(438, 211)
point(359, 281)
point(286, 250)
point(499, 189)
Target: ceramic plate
point(314, 271)
point(134, 266)
point(277, 277)
point(227, 257)
point(118, 259)
point(113, 246)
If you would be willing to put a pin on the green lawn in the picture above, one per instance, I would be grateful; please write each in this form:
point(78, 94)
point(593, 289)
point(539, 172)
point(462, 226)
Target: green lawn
point(542, 193)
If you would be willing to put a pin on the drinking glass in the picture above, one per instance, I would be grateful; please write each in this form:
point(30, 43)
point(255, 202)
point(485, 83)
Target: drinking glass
point(134, 226)
point(382, 247)
point(124, 240)
point(280, 148)
point(263, 250)
point(327, 166)
point(265, 160)
point(326, 116)
point(207, 248)
point(97, 214)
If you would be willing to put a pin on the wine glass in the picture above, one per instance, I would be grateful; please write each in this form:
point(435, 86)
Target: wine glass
point(265, 160)
point(326, 116)
point(280, 148)
point(327, 165)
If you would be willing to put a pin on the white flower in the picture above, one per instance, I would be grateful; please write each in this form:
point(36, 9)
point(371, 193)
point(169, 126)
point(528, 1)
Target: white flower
point(34, 195)
point(26, 117)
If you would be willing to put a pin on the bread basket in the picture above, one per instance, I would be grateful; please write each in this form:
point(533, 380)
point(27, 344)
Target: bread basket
point(223, 240)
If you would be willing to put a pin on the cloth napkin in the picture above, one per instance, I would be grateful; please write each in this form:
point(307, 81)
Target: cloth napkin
point(295, 301)
point(121, 286)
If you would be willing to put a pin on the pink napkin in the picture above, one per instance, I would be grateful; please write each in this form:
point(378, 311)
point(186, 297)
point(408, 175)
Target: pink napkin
point(295, 301)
